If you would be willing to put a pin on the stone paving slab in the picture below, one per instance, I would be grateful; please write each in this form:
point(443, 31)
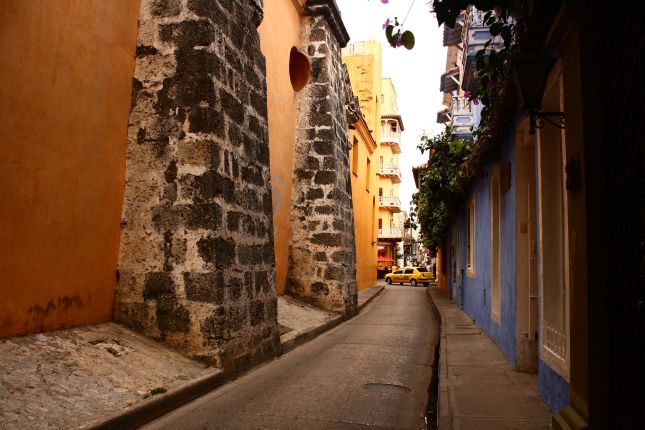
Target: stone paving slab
point(300, 322)
point(478, 386)
point(72, 378)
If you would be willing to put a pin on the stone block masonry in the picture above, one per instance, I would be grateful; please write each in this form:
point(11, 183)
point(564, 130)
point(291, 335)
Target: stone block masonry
point(322, 253)
point(196, 262)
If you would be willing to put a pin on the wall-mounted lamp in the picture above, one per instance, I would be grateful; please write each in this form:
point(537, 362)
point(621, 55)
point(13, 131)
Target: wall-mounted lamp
point(532, 72)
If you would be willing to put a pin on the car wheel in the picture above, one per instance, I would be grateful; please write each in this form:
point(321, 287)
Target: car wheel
point(389, 281)
point(413, 282)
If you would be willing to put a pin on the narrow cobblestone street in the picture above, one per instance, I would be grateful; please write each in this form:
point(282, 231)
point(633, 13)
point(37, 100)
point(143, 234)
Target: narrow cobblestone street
point(373, 370)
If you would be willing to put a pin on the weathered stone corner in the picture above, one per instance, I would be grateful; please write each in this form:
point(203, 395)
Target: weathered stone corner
point(196, 260)
point(322, 253)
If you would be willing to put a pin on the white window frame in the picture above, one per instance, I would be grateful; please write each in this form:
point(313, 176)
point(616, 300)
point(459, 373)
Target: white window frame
point(470, 239)
point(495, 243)
point(553, 241)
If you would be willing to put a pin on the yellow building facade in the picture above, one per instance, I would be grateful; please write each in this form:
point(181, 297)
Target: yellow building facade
point(65, 88)
point(390, 219)
point(364, 199)
point(377, 97)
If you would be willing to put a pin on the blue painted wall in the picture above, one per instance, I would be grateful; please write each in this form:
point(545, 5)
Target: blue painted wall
point(552, 388)
point(476, 290)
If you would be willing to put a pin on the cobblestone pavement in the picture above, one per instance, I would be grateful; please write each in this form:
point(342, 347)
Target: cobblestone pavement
point(68, 378)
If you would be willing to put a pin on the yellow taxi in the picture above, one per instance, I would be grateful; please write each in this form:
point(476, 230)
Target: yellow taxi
point(410, 275)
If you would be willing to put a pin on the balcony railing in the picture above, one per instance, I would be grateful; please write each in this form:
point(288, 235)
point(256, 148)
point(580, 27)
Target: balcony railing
point(390, 233)
point(393, 139)
point(476, 34)
point(390, 170)
point(462, 119)
point(390, 202)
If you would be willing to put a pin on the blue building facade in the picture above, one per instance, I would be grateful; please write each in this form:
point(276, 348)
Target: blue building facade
point(507, 247)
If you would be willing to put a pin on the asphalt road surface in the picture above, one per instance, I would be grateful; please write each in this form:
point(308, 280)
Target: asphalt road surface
point(372, 371)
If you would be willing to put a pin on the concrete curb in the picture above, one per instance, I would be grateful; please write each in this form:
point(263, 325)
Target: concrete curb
point(378, 290)
point(444, 415)
point(139, 414)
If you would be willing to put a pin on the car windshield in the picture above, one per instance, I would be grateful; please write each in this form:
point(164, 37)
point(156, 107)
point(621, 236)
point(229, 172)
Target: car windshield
point(398, 272)
point(408, 271)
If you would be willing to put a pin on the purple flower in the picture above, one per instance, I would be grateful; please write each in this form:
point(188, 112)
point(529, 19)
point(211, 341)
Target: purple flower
point(385, 1)
point(399, 40)
point(467, 94)
point(386, 23)
point(476, 101)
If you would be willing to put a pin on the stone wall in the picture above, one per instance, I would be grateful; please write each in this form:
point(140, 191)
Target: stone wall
point(322, 253)
point(196, 263)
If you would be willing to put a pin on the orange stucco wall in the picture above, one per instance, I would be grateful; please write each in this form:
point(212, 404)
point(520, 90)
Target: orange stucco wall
point(365, 204)
point(279, 32)
point(65, 87)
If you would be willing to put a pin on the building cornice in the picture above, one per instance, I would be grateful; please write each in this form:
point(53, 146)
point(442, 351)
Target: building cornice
point(363, 129)
point(330, 11)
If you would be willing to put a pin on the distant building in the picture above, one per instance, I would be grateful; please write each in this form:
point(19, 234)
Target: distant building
point(377, 98)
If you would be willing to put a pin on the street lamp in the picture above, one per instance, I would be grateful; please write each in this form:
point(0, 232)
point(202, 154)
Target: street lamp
point(532, 70)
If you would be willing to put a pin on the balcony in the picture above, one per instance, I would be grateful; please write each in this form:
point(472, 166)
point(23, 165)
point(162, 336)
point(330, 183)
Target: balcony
point(462, 121)
point(390, 233)
point(475, 36)
point(393, 203)
point(452, 36)
point(443, 116)
point(393, 139)
point(450, 80)
point(391, 171)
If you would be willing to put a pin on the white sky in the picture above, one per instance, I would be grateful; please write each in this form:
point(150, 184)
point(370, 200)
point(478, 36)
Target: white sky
point(415, 73)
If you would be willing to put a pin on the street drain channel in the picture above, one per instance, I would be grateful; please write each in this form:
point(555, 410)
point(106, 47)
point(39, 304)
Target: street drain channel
point(387, 388)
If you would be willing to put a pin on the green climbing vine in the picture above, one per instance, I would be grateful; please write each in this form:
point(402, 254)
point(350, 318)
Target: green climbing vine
point(439, 189)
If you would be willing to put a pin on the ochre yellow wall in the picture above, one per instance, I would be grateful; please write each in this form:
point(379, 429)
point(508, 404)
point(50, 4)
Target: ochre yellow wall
point(279, 32)
point(389, 104)
point(363, 61)
point(365, 202)
point(65, 86)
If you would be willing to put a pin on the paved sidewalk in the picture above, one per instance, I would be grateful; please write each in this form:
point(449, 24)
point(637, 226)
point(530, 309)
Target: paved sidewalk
point(107, 376)
point(478, 387)
point(300, 322)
